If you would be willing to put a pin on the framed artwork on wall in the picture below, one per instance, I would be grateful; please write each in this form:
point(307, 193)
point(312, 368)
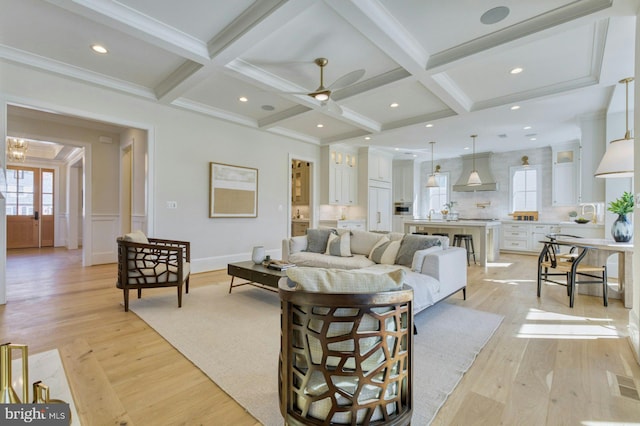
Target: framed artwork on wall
point(233, 191)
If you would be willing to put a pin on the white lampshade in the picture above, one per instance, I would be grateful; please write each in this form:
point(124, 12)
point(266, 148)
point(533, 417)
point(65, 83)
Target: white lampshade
point(474, 179)
point(432, 182)
point(617, 161)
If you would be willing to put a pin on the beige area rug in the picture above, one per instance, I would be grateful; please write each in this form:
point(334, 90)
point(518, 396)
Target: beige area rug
point(235, 340)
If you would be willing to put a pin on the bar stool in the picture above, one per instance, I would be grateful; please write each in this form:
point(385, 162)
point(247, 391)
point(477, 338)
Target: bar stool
point(468, 244)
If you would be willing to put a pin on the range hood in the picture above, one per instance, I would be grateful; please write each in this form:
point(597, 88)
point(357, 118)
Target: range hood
point(483, 167)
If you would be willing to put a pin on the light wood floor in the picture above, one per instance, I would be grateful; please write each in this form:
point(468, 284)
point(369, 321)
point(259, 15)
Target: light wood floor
point(546, 364)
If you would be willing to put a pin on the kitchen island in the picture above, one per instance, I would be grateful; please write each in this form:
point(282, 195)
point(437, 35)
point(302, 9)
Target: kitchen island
point(486, 234)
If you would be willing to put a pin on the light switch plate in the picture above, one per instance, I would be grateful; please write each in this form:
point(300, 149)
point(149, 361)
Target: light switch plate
point(638, 200)
point(172, 204)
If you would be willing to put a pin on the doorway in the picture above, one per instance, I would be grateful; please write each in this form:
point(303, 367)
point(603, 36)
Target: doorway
point(30, 207)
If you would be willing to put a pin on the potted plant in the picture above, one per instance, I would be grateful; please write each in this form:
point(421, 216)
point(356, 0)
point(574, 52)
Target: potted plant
point(622, 230)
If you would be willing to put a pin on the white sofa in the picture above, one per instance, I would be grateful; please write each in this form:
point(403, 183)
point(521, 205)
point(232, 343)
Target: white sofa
point(434, 273)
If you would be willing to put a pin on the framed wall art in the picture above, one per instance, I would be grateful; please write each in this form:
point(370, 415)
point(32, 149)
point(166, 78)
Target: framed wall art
point(233, 191)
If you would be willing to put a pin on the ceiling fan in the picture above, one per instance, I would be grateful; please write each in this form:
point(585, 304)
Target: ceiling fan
point(322, 93)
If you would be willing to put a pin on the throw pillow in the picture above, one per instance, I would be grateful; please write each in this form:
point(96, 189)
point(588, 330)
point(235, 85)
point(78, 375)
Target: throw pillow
point(385, 252)
point(410, 244)
point(419, 255)
point(317, 239)
point(343, 281)
point(339, 245)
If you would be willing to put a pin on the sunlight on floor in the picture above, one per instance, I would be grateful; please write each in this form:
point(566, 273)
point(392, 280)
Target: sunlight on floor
point(551, 325)
point(597, 423)
point(510, 282)
point(498, 264)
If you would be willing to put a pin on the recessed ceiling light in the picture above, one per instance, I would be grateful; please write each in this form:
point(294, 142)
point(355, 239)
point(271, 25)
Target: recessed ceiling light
point(515, 107)
point(319, 125)
point(394, 105)
point(466, 148)
point(99, 49)
point(533, 139)
point(516, 70)
point(367, 138)
point(415, 155)
point(429, 125)
point(268, 107)
point(526, 127)
point(243, 99)
point(495, 15)
point(397, 149)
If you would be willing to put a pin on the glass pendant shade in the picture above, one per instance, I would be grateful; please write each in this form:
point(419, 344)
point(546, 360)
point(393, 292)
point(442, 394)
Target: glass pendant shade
point(617, 161)
point(474, 177)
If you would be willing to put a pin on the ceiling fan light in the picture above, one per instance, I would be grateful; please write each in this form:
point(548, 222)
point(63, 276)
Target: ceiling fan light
point(474, 179)
point(617, 161)
point(321, 96)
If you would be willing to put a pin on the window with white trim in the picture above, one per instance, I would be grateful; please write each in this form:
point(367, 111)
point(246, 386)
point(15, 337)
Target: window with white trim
point(435, 198)
point(525, 188)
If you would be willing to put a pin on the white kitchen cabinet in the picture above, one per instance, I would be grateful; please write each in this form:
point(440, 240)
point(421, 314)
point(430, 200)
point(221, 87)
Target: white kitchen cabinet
point(584, 231)
point(379, 213)
point(565, 174)
point(539, 233)
point(403, 181)
point(380, 166)
point(515, 237)
point(339, 182)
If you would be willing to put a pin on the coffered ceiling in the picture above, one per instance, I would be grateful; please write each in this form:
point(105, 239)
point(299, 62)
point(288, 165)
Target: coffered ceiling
point(437, 60)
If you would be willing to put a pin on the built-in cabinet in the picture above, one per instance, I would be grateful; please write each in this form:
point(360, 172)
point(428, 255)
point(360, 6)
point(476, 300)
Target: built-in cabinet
point(359, 224)
point(375, 186)
point(300, 182)
point(339, 183)
point(299, 227)
point(526, 237)
point(379, 209)
point(565, 173)
point(403, 181)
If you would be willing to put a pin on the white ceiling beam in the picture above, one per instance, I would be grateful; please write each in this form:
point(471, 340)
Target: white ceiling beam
point(117, 16)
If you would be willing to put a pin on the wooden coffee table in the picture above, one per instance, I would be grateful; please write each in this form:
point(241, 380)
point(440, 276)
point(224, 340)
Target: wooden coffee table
point(257, 275)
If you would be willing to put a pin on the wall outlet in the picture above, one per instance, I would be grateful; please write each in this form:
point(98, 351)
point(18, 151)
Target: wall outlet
point(172, 204)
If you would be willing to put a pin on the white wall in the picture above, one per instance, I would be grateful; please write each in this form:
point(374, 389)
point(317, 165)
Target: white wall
point(181, 145)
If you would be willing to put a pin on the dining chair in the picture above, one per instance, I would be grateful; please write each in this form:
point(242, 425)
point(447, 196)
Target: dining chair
point(552, 262)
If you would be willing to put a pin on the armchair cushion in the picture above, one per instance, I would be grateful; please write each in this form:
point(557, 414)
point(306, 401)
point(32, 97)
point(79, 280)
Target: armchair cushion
point(136, 237)
point(343, 281)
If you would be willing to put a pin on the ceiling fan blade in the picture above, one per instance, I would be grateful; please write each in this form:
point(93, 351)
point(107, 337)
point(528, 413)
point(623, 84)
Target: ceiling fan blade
point(347, 79)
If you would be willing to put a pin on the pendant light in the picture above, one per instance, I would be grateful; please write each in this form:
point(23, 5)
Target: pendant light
point(432, 182)
point(617, 161)
point(474, 177)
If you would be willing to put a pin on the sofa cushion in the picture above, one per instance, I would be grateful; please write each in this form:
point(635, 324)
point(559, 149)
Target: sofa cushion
point(317, 239)
point(341, 281)
point(321, 260)
point(339, 245)
point(410, 244)
point(363, 241)
point(298, 243)
point(385, 251)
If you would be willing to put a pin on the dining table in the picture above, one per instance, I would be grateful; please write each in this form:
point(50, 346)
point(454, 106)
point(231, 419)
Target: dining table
point(599, 250)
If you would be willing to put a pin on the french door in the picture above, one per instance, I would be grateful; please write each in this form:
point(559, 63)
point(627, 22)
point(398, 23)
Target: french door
point(29, 207)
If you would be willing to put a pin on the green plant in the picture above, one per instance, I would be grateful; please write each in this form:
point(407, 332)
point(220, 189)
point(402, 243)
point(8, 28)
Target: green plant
point(622, 205)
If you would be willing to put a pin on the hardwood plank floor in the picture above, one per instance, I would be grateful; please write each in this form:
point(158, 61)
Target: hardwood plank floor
point(546, 364)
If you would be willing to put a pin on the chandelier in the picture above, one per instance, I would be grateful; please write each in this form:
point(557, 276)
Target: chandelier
point(16, 149)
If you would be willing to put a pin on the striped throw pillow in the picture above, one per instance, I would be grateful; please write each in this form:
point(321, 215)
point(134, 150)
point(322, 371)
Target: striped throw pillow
point(339, 245)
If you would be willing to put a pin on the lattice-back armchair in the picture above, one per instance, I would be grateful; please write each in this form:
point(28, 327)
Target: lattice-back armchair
point(346, 358)
point(151, 262)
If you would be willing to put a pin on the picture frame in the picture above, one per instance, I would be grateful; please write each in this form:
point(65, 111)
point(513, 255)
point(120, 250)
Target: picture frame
point(233, 191)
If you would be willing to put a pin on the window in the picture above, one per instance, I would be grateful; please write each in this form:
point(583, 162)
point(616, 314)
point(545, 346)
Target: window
point(435, 198)
point(525, 188)
point(20, 192)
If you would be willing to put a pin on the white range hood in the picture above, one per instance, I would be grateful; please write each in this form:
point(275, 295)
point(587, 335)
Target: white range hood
point(483, 167)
